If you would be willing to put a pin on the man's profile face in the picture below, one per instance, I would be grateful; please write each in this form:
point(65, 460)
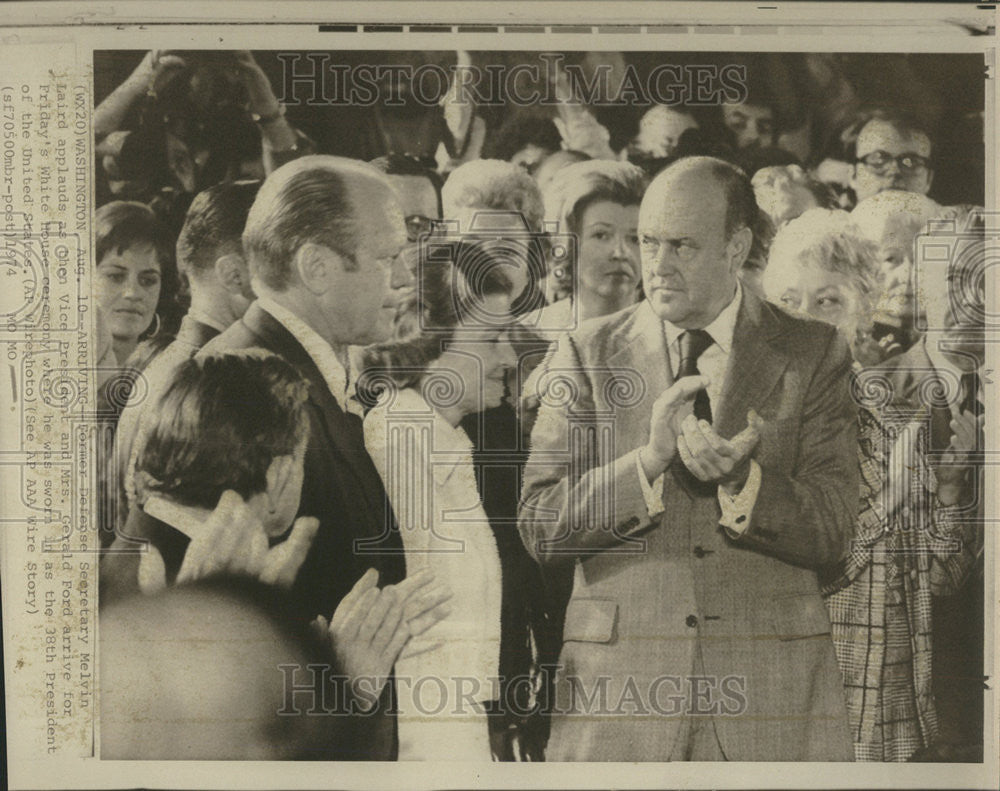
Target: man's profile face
point(689, 275)
point(752, 124)
point(880, 140)
point(365, 300)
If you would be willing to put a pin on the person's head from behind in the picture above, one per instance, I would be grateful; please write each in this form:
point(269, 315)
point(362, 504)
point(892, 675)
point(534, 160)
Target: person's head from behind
point(891, 220)
point(324, 237)
point(210, 249)
point(135, 270)
point(195, 673)
point(821, 266)
point(892, 152)
point(695, 234)
point(951, 284)
point(784, 192)
point(229, 422)
point(524, 140)
point(492, 199)
point(597, 202)
point(461, 352)
point(554, 163)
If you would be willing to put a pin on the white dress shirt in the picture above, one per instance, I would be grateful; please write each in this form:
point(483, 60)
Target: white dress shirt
point(320, 352)
point(712, 364)
point(426, 466)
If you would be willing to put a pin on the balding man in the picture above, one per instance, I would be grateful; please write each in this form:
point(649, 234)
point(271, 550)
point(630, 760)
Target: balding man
point(892, 153)
point(696, 630)
point(322, 242)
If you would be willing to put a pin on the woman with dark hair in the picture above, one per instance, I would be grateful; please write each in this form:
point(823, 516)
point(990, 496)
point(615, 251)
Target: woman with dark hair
point(136, 280)
point(426, 384)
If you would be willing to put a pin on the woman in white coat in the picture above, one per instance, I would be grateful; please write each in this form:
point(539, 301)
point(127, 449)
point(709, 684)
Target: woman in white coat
point(452, 363)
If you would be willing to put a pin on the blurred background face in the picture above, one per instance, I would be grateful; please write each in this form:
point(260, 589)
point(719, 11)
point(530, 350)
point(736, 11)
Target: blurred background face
point(608, 260)
point(752, 124)
point(418, 200)
point(365, 301)
point(512, 233)
point(127, 288)
point(481, 354)
point(805, 288)
point(880, 141)
point(660, 129)
point(895, 241)
point(782, 192)
point(687, 274)
point(530, 158)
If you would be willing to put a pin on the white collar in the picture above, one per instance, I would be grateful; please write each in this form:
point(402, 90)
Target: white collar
point(321, 353)
point(205, 319)
point(722, 327)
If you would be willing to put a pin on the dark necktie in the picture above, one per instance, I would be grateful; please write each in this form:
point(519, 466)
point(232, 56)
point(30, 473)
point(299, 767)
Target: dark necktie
point(692, 344)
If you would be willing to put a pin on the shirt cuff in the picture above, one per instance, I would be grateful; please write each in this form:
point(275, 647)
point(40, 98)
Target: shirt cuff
point(652, 493)
point(737, 509)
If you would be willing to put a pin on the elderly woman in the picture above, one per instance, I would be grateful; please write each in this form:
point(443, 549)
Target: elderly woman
point(879, 599)
point(892, 220)
point(135, 273)
point(427, 384)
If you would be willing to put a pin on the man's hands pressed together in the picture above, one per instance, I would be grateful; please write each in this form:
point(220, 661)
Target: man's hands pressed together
point(711, 458)
point(665, 424)
point(673, 430)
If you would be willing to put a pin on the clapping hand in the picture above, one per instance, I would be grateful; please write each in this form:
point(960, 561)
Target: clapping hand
point(711, 458)
point(952, 473)
point(665, 424)
point(370, 627)
point(233, 541)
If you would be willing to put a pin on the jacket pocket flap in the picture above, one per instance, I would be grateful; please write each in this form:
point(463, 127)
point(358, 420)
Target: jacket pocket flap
point(591, 620)
point(799, 615)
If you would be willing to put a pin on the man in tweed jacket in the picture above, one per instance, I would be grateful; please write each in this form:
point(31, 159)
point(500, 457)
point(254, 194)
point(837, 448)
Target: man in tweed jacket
point(696, 630)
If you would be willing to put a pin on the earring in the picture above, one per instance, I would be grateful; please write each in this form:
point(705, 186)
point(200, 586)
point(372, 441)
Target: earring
point(157, 324)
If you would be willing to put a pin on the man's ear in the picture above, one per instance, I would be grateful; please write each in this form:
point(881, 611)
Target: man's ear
point(231, 271)
point(317, 265)
point(738, 248)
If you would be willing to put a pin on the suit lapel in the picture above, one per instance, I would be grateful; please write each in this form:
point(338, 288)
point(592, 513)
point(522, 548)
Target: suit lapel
point(344, 438)
point(645, 353)
point(754, 367)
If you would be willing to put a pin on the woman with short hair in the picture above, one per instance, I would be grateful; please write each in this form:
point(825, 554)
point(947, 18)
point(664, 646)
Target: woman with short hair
point(879, 596)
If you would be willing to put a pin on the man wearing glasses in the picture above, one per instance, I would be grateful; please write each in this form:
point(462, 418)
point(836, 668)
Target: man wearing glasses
point(892, 153)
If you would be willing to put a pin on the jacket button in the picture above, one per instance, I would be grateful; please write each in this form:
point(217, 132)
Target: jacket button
point(699, 551)
point(691, 620)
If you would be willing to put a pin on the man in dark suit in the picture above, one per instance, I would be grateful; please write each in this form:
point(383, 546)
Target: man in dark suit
point(939, 380)
point(697, 461)
point(323, 241)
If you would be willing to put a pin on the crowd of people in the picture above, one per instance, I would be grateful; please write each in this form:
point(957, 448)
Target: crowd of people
point(554, 434)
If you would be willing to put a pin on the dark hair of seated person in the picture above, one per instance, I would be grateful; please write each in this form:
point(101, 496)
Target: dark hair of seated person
point(219, 425)
point(452, 283)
